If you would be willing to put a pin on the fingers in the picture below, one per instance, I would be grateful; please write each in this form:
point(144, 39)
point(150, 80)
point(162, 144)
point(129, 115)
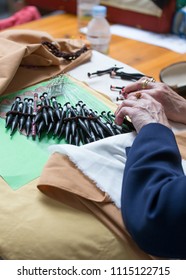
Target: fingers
point(142, 109)
point(172, 102)
point(126, 103)
point(132, 98)
point(123, 112)
point(128, 106)
point(143, 83)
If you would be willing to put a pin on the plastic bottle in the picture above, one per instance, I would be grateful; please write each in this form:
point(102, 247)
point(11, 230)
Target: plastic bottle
point(98, 31)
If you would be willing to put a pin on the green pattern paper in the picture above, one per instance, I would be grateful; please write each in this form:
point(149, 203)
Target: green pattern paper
point(22, 159)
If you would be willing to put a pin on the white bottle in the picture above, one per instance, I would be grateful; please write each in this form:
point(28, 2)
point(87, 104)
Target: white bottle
point(98, 31)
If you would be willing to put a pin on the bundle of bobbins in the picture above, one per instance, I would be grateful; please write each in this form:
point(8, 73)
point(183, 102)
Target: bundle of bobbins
point(76, 124)
point(115, 72)
point(120, 96)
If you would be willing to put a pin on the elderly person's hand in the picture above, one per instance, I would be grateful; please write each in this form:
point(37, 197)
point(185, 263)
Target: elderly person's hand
point(142, 109)
point(174, 105)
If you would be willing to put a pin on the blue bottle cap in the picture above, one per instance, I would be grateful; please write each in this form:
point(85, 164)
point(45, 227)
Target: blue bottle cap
point(99, 11)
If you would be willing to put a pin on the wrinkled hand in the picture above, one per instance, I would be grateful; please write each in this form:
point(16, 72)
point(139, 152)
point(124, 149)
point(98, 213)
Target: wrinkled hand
point(174, 105)
point(142, 109)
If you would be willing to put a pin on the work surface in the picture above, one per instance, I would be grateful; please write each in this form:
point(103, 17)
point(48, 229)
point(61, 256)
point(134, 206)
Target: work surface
point(146, 58)
point(34, 226)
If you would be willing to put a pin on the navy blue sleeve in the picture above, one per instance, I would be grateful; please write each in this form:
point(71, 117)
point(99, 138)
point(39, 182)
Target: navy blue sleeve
point(154, 193)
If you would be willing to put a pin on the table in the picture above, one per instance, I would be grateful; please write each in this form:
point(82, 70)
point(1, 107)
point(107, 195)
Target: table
point(146, 58)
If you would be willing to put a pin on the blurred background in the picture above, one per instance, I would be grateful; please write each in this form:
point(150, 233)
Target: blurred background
point(8, 7)
point(171, 20)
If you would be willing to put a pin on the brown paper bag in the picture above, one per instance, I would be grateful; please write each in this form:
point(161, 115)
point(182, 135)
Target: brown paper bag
point(26, 61)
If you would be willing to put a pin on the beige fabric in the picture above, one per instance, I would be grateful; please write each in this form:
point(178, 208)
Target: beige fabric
point(25, 61)
point(62, 181)
point(34, 226)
